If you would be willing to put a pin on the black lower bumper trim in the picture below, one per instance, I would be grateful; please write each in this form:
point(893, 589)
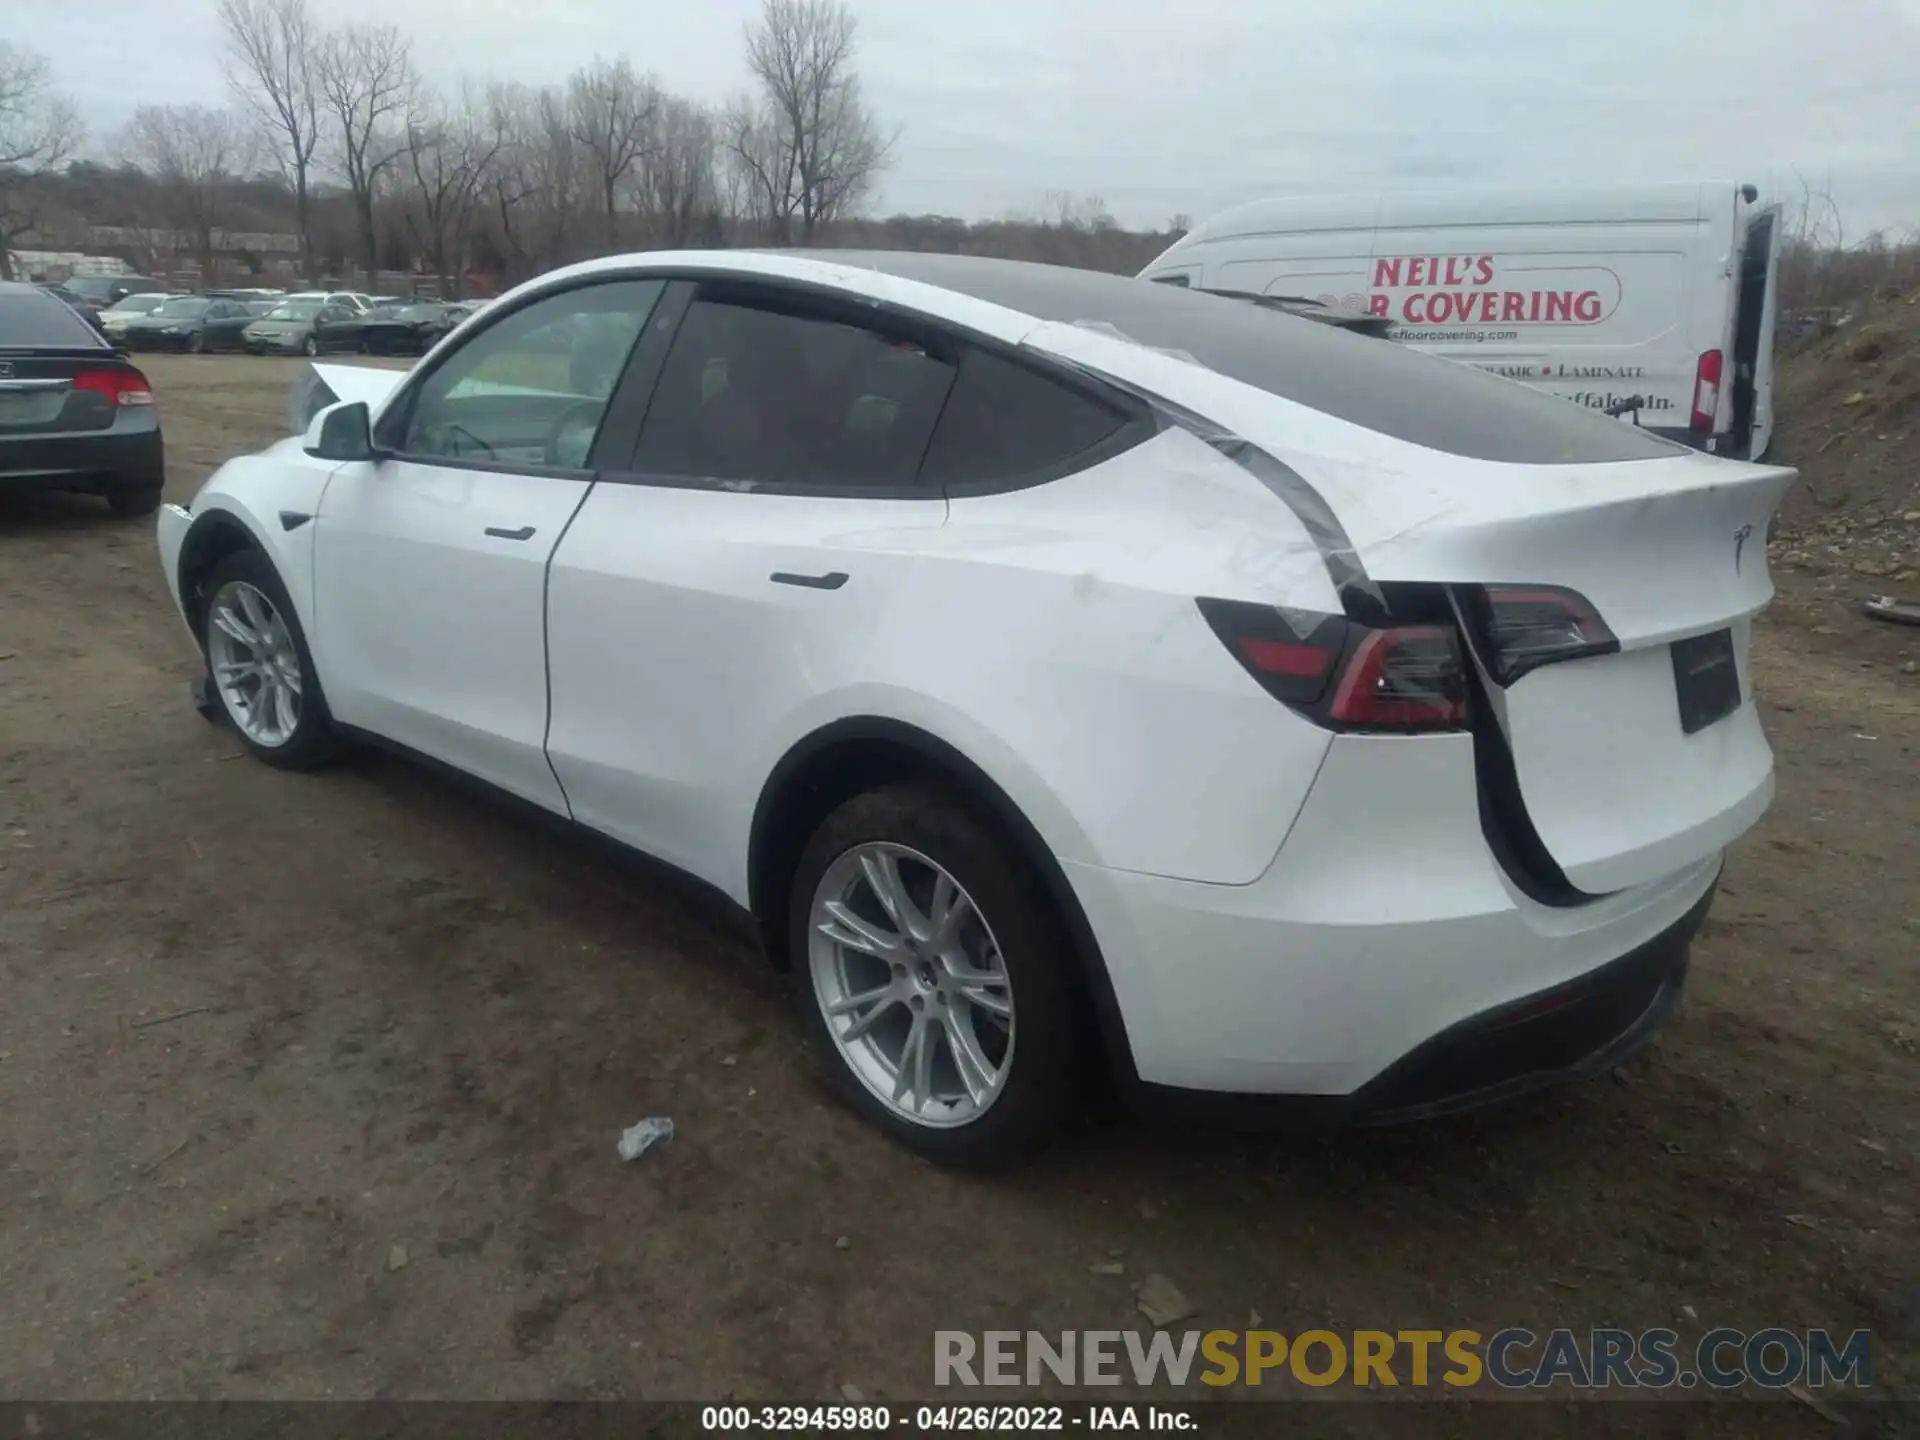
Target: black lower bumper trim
point(1568, 1033)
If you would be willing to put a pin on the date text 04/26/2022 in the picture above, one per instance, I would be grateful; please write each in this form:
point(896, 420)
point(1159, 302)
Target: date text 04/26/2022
point(938, 1419)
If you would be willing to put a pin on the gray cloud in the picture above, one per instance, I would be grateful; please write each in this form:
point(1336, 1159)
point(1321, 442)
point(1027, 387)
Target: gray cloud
point(1187, 108)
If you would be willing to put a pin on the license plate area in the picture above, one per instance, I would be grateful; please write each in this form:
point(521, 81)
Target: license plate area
point(1706, 678)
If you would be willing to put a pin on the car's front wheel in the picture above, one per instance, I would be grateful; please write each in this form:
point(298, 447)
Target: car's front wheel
point(935, 977)
point(261, 667)
point(312, 347)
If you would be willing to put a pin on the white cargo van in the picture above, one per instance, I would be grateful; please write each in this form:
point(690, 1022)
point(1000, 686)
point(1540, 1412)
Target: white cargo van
point(1654, 303)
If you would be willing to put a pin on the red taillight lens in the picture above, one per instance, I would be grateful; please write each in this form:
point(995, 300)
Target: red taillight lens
point(1524, 627)
point(1706, 391)
point(1345, 675)
point(1408, 678)
point(118, 387)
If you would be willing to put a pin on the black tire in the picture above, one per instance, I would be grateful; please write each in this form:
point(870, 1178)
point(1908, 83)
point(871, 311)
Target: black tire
point(131, 501)
point(315, 741)
point(1044, 1089)
point(196, 344)
point(312, 347)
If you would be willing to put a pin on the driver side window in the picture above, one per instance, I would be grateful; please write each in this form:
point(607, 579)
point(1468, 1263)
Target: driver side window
point(533, 388)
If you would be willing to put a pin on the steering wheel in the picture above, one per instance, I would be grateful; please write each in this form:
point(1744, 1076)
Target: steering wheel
point(588, 411)
point(456, 432)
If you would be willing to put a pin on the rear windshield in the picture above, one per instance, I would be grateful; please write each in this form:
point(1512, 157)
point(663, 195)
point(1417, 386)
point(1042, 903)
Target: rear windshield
point(184, 309)
point(1441, 404)
point(135, 304)
point(30, 320)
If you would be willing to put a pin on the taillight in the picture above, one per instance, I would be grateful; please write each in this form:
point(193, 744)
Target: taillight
point(1706, 391)
point(1345, 675)
point(118, 387)
point(1522, 627)
point(1407, 678)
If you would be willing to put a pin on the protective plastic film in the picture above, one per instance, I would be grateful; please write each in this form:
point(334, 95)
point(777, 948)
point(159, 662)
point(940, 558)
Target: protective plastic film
point(1359, 594)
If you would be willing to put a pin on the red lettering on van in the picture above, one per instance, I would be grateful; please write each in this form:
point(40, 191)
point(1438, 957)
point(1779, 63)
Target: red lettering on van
point(1513, 306)
point(1586, 306)
point(1417, 317)
point(1559, 305)
point(1416, 271)
point(1379, 305)
point(1483, 270)
point(1386, 273)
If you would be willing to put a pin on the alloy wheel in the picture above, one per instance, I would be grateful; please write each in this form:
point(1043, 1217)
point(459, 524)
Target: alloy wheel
point(255, 664)
point(911, 984)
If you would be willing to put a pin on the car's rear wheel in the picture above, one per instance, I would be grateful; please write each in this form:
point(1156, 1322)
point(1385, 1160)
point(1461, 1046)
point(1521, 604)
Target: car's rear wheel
point(935, 978)
point(196, 343)
point(312, 347)
point(261, 667)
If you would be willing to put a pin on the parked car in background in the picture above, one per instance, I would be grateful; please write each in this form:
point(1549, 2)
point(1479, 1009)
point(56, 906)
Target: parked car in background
point(74, 415)
point(351, 299)
point(1320, 730)
point(92, 317)
point(95, 293)
point(123, 312)
point(304, 325)
point(193, 323)
point(410, 329)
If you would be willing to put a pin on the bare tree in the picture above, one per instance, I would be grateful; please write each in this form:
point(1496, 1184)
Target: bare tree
point(680, 197)
point(195, 154)
point(806, 145)
point(38, 129)
point(540, 187)
point(451, 150)
point(367, 82)
point(272, 57)
point(610, 114)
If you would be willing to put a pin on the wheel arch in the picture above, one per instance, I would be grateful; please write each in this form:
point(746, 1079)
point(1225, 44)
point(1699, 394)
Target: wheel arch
point(214, 535)
point(855, 754)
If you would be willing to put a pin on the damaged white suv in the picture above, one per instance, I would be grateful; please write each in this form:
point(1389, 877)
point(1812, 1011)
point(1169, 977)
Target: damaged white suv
point(1074, 676)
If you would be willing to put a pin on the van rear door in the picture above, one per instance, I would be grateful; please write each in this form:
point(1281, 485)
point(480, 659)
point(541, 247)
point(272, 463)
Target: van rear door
point(1752, 428)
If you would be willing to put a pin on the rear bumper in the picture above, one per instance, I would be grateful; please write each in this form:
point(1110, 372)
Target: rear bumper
point(129, 456)
point(1382, 966)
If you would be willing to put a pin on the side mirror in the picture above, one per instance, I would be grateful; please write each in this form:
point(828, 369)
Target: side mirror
point(342, 432)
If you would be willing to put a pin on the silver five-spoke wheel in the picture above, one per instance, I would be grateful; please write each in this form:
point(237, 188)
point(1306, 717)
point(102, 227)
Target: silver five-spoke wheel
point(256, 667)
point(911, 983)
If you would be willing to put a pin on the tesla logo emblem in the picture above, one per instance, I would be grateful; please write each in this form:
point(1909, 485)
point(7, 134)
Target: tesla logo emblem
point(1740, 544)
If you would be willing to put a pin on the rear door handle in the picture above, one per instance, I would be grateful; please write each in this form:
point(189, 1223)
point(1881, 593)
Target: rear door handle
point(832, 580)
point(525, 532)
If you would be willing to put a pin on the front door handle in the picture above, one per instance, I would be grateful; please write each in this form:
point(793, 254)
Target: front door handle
point(832, 580)
point(525, 532)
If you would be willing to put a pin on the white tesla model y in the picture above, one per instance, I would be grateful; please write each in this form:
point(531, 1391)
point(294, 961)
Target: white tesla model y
point(1069, 673)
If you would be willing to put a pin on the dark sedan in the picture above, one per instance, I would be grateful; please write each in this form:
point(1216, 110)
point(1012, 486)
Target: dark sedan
point(74, 415)
point(304, 327)
point(192, 323)
point(409, 329)
point(94, 293)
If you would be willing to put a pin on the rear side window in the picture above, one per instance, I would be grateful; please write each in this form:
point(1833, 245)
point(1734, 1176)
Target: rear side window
point(29, 319)
point(1005, 422)
point(769, 396)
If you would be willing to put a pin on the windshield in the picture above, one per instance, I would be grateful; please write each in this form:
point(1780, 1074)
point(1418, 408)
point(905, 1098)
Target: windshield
point(295, 310)
point(187, 308)
point(135, 304)
point(418, 313)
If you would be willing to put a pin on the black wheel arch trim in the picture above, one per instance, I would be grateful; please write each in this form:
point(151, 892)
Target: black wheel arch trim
point(1000, 807)
point(201, 548)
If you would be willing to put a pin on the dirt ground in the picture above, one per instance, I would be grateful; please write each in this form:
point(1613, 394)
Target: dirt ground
point(309, 1085)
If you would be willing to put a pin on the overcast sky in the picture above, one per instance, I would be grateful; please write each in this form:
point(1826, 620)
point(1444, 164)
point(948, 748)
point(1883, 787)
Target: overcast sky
point(1187, 107)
